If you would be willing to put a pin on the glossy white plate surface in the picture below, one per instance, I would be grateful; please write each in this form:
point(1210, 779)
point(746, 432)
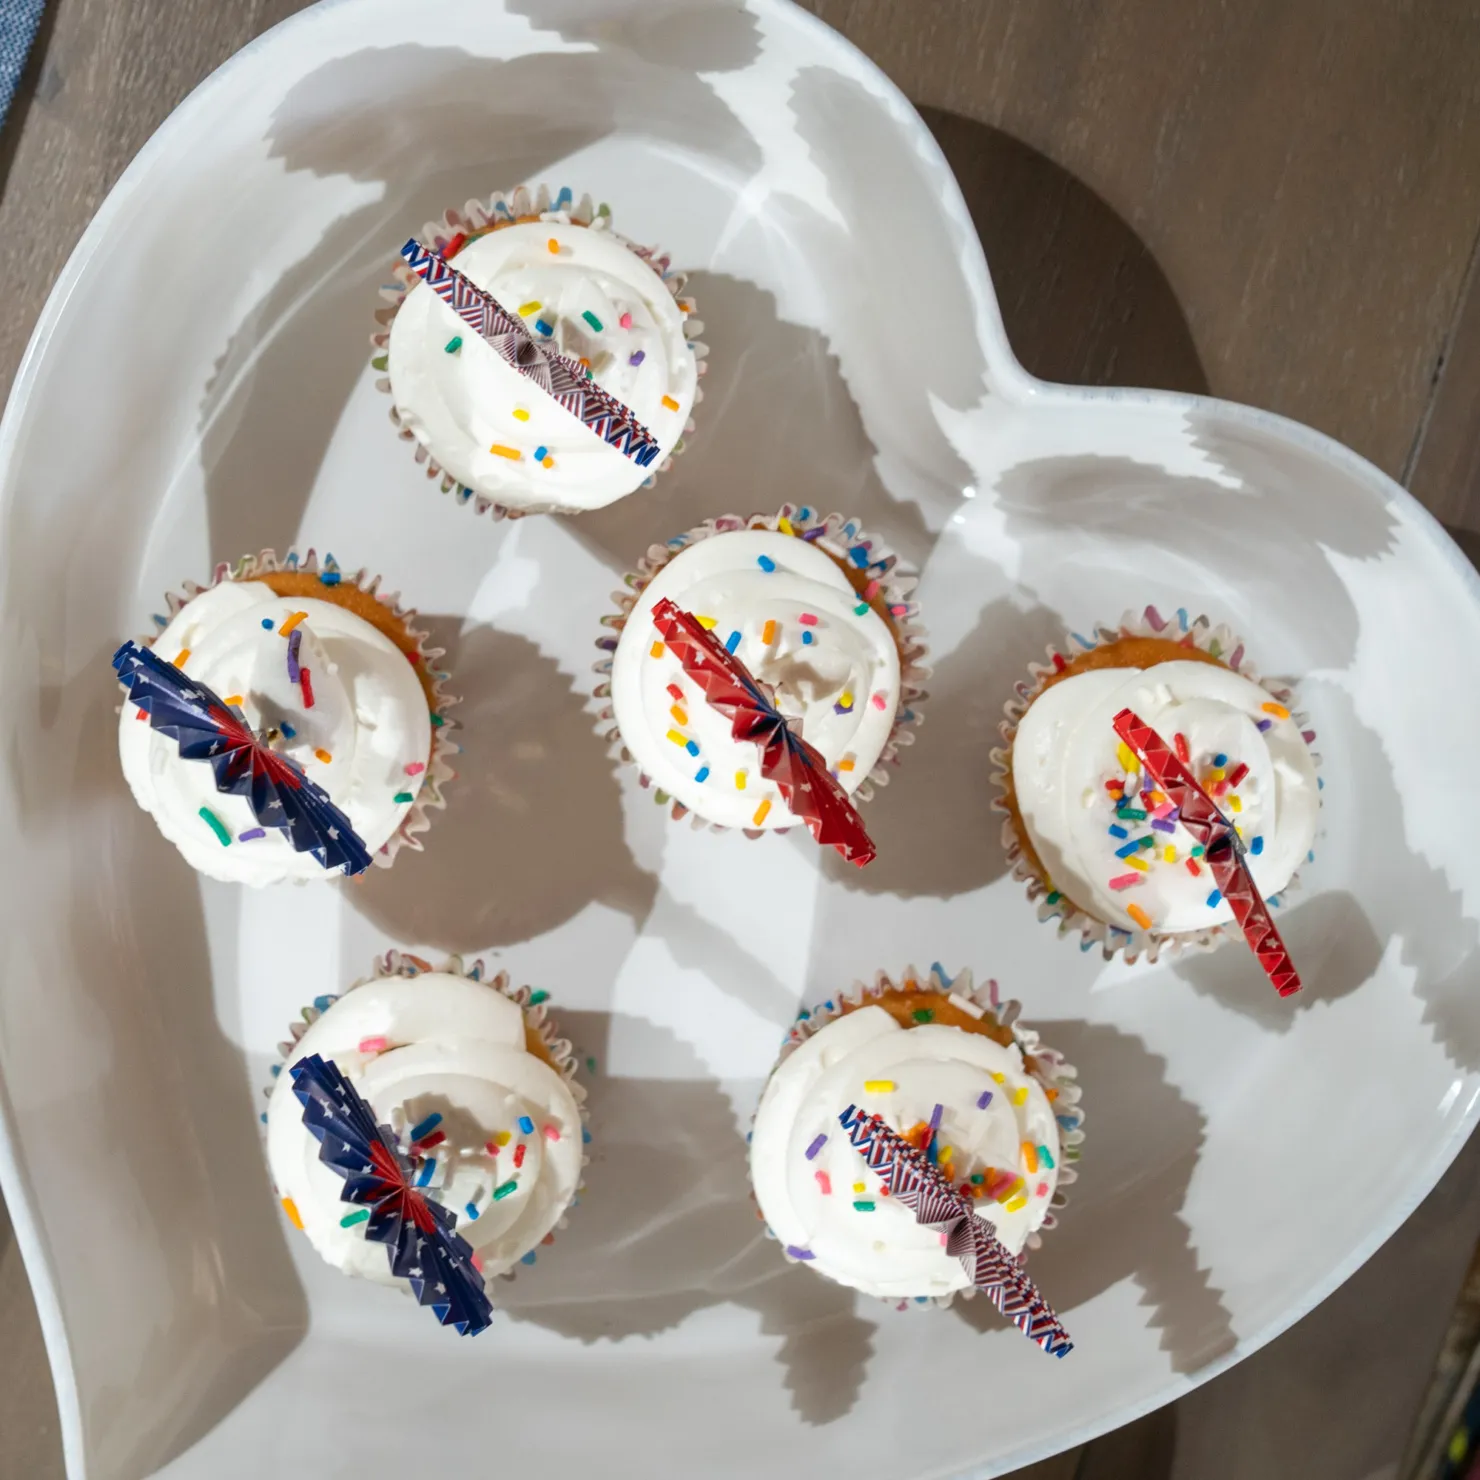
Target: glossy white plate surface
point(199, 387)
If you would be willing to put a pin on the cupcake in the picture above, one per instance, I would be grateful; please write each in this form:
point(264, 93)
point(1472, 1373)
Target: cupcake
point(948, 1069)
point(489, 430)
point(334, 675)
point(1091, 835)
point(816, 610)
point(477, 1092)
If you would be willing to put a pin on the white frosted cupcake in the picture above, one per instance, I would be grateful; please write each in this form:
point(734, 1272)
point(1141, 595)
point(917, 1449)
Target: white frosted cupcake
point(489, 431)
point(947, 1068)
point(367, 723)
point(1093, 838)
point(814, 608)
point(477, 1087)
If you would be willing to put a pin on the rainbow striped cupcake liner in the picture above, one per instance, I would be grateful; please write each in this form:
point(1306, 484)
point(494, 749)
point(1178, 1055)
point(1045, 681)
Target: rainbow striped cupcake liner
point(838, 536)
point(530, 1001)
point(478, 218)
point(438, 771)
point(1154, 945)
point(1058, 1078)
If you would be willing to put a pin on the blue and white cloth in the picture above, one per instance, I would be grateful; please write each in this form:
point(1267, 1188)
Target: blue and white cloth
point(18, 22)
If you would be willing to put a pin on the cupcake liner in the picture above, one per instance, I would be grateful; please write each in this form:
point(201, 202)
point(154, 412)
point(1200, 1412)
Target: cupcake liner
point(1057, 1077)
point(531, 1003)
point(438, 771)
point(1219, 642)
point(477, 218)
point(884, 580)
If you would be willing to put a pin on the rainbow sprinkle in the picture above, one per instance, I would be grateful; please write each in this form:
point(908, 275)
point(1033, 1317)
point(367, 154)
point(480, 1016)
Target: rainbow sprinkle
point(761, 812)
point(591, 319)
point(817, 1144)
point(670, 403)
point(879, 1086)
point(504, 1189)
point(512, 453)
point(1142, 919)
point(824, 1182)
point(251, 834)
point(214, 823)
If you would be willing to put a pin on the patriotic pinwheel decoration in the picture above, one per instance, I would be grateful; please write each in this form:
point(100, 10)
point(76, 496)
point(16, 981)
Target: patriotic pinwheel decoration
point(918, 1183)
point(419, 1234)
point(207, 729)
point(1223, 849)
point(536, 359)
point(809, 789)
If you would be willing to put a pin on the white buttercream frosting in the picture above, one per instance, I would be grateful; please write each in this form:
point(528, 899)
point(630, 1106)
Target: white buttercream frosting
point(833, 667)
point(369, 717)
point(1066, 752)
point(462, 403)
point(828, 1205)
point(454, 1048)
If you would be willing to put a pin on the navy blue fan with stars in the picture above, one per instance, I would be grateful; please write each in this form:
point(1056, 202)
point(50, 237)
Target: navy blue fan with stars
point(207, 729)
point(420, 1235)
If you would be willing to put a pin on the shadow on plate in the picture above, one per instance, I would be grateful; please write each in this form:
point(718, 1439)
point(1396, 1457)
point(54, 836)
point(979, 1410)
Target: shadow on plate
point(216, 1305)
point(672, 1230)
point(533, 829)
point(1141, 1144)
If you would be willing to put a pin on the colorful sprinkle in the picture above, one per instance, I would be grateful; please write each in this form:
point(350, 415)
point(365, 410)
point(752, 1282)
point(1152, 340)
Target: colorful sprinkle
point(656, 651)
point(1131, 814)
point(291, 1209)
point(1030, 1156)
point(350, 1219)
point(984, 1099)
point(323, 755)
point(1264, 724)
point(414, 768)
point(739, 780)
point(512, 453)
point(591, 319)
point(680, 714)
point(1124, 881)
point(305, 682)
point(519, 1151)
point(1257, 845)
point(761, 811)
point(824, 1182)
point(625, 321)
point(808, 619)
point(525, 309)
point(702, 774)
point(453, 345)
point(214, 823)
point(732, 642)
point(636, 357)
point(251, 834)
point(861, 609)
point(807, 638)
point(526, 1125)
point(817, 1144)
point(1020, 1095)
point(680, 740)
point(546, 329)
point(1179, 741)
point(707, 623)
point(554, 247)
point(1127, 756)
point(234, 700)
point(1278, 710)
point(289, 623)
point(426, 1127)
point(1215, 899)
point(768, 633)
point(1046, 1157)
point(766, 563)
point(1016, 1205)
point(378, 1044)
point(537, 996)
point(504, 1189)
point(551, 1132)
point(847, 763)
point(797, 1253)
point(670, 403)
point(428, 1171)
point(1139, 864)
point(1169, 854)
point(520, 414)
point(1142, 919)
point(863, 1207)
point(1236, 804)
point(1117, 831)
point(267, 622)
point(923, 1015)
point(879, 1086)
point(288, 730)
point(1192, 867)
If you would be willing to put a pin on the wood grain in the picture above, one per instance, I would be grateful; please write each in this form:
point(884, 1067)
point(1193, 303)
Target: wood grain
point(1306, 176)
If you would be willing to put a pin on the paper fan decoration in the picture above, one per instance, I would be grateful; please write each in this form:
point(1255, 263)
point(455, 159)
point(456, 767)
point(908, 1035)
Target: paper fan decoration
point(1223, 850)
point(536, 359)
point(419, 1234)
point(909, 1175)
point(208, 729)
point(807, 786)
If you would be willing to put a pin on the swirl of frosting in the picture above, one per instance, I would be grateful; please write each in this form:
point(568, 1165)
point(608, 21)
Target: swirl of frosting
point(368, 723)
point(505, 1155)
point(1107, 839)
point(816, 1191)
point(492, 428)
point(789, 613)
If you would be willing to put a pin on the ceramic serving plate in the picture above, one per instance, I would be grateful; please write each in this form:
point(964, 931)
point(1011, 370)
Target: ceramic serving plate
point(199, 386)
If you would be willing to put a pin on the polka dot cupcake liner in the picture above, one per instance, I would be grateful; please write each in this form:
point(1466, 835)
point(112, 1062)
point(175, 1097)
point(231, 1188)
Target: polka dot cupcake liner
point(537, 1020)
point(1057, 1077)
point(1219, 642)
point(477, 218)
point(331, 586)
point(846, 542)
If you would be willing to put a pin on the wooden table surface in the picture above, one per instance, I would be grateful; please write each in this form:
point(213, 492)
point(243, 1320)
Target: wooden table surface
point(1277, 203)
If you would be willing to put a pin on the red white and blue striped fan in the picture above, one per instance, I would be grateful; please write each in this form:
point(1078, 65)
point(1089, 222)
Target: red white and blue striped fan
point(808, 787)
point(420, 1235)
point(207, 729)
point(910, 1176)
point(555, 374)
point(1223, 849)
